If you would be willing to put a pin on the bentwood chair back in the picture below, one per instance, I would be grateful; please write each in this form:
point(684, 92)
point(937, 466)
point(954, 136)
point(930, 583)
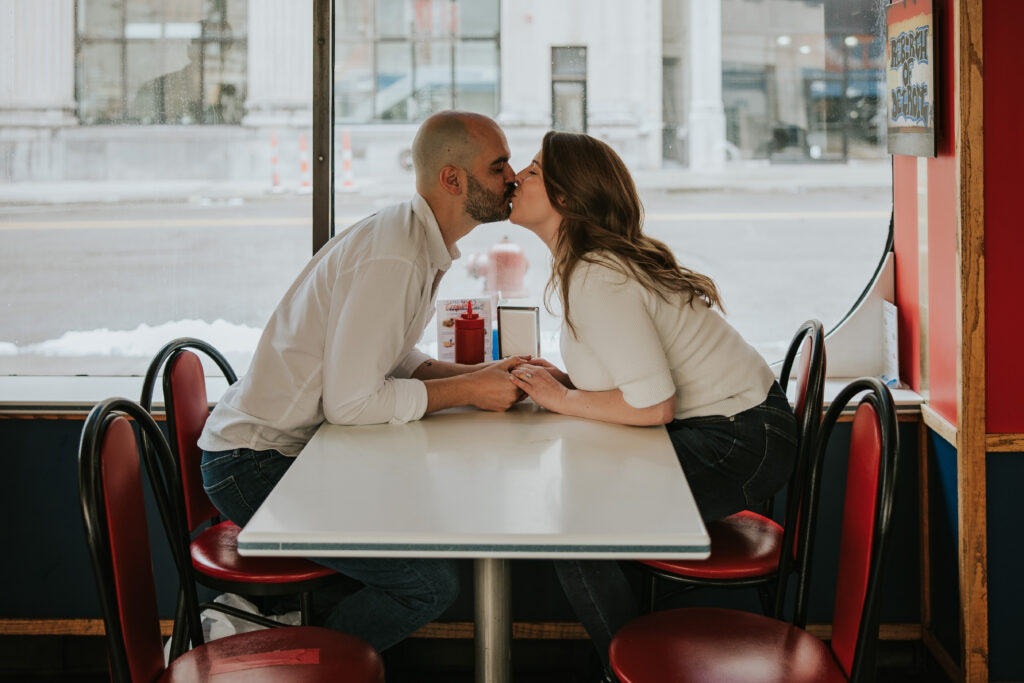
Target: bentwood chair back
point(114, 515)
point(749, 548)
point(709, 645)
point(215, 561)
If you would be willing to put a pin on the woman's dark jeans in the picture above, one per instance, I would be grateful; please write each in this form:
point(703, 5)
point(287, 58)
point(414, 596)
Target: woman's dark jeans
point(398, 596)
point(731, 463)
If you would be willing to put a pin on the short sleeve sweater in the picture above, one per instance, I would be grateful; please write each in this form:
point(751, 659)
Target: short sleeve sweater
point(632, 339)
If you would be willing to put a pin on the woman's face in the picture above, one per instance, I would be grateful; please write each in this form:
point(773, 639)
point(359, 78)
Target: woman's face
point(531, 207)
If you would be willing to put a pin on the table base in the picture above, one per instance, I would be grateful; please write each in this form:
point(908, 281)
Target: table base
point(493, 630)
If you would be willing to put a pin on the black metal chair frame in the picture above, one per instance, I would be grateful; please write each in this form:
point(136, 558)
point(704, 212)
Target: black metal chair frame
point(159, 463)
point(773, 585)
point(880, 399)
point(165, 359)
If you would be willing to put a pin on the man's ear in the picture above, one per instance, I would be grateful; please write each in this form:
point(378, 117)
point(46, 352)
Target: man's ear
point(450, 179)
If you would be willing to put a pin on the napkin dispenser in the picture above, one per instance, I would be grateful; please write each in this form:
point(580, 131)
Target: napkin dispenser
point(518, 331)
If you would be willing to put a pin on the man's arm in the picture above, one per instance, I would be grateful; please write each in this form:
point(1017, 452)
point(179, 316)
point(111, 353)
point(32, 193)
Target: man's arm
point(439, 369)
point(485, 386)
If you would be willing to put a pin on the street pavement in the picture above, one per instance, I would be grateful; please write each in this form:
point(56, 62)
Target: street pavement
point(745, 176)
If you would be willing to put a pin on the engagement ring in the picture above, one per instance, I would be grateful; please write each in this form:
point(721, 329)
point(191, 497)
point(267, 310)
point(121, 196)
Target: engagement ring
point(529, 375)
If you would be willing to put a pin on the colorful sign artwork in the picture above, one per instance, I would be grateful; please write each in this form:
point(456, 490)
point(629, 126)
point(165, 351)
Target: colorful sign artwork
point(911, 94)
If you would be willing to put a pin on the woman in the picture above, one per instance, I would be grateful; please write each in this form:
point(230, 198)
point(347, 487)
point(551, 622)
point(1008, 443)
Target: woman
point(643, 345)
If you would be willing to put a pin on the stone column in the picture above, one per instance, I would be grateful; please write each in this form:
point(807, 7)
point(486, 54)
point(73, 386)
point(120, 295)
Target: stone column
point(706, 120)
point(37, 63)
point(280, 70)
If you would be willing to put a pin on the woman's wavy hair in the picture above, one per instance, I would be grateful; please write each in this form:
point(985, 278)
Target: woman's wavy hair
point(591, 188)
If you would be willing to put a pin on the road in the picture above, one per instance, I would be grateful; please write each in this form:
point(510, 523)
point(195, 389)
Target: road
point(779, 258)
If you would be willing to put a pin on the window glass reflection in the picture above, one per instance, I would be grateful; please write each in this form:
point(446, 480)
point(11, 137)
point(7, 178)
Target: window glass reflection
point(171, 145)
point(184, 62)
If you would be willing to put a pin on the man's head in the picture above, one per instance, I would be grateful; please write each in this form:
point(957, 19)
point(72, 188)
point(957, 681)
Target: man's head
point(461, 159)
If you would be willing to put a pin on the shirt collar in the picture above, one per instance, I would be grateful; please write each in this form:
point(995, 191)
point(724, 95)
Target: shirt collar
point(440, 257)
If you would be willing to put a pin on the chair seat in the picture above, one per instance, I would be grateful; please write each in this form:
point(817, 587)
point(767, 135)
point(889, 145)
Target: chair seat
point(712, 645)
point(744, 545)
point(215, 554)
point(281, 655)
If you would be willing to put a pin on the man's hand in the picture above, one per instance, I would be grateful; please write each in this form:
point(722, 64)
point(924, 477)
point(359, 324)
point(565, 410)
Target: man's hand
point(487, 387)
point(490, 386)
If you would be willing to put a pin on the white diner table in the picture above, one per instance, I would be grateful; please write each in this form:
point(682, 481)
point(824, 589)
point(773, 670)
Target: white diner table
point(464, 483)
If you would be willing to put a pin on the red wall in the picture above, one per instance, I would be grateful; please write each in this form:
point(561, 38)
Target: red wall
point(1004, 244)
point(943, 340)
point(905, 240)
point(942, 213)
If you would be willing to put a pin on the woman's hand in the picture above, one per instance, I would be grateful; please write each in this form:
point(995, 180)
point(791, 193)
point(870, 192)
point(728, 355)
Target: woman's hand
point(540, 384)
point(554, 372)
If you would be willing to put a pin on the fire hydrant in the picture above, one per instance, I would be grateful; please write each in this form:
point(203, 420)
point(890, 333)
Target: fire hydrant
point(502, 267)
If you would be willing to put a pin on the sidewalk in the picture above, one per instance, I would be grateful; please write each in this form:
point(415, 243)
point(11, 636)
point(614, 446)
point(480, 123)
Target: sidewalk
point(737, 177)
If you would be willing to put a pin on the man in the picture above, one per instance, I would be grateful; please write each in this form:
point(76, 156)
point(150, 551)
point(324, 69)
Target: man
point(339, 347)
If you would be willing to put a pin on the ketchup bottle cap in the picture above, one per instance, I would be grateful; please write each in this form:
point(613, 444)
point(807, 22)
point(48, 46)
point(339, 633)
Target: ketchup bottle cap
point(469, 320)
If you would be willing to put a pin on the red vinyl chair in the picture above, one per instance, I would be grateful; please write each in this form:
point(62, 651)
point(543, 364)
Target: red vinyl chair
point(113, 511)
point(709, 645)
point(215, 561)
point(749, 548)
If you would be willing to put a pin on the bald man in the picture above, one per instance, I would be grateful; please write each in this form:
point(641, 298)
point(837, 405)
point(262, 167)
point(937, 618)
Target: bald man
point(340, 347)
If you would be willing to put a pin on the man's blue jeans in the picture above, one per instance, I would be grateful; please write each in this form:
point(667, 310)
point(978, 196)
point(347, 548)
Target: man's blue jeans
point(398, 595)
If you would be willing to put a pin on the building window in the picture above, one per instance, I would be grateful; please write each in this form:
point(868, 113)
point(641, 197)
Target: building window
point(569, 89)
point(402, 60)
point(161, 62)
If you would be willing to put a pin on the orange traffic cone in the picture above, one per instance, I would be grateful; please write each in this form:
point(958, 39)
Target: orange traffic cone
point(305, 182)
point(346, 163)
point(275, 178)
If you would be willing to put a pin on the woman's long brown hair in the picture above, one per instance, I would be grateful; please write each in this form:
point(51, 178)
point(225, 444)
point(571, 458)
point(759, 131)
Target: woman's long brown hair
point(591, 188)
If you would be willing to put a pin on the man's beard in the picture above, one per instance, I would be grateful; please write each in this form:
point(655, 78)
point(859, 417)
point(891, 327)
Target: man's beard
point(484, 205)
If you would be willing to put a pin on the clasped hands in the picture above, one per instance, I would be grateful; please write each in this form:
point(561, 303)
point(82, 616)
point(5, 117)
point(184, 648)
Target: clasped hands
point(506, 382)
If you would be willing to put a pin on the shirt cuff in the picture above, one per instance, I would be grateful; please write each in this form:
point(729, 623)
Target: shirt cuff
point(410, 400)
point(647, 392)
point(408, 365)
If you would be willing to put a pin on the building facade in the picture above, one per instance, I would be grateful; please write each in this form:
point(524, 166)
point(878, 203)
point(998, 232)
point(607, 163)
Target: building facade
point(107, 90)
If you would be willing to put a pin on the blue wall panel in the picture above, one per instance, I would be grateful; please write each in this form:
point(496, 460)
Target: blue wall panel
point(1005, 567)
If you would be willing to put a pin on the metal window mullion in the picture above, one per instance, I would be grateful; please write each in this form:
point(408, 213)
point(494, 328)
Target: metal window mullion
point(323, 122)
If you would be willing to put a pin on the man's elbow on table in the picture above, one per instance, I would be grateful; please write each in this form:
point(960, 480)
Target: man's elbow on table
point(396, 401)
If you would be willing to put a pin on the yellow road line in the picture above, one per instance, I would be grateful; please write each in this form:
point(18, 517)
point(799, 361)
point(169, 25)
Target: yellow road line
point(344, 221)
point(767, 216)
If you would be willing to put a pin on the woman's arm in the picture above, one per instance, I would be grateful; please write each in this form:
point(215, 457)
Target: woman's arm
point(608, 406)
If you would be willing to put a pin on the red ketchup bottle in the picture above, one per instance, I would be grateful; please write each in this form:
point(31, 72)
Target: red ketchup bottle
point(469, 338)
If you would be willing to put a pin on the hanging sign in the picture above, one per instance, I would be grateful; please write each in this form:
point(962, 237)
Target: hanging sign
point(911, 95)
